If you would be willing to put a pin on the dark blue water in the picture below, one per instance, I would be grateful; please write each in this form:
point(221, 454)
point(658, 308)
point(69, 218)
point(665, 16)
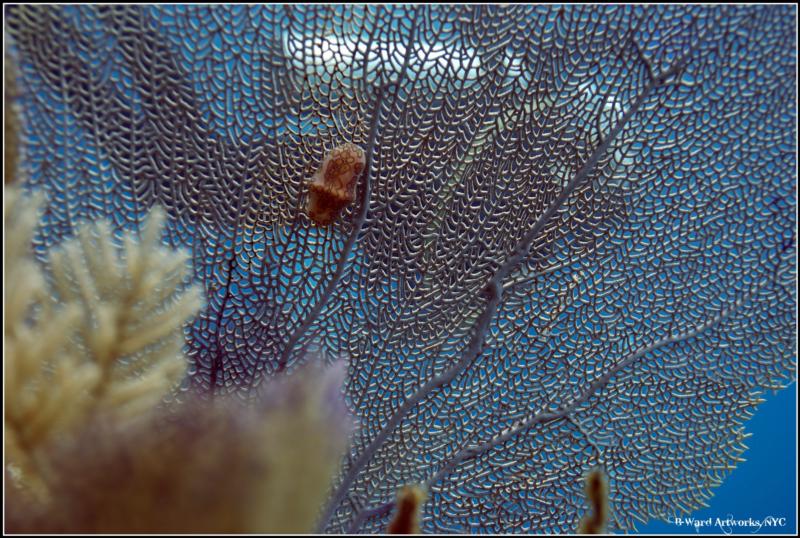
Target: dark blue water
point(764, 485)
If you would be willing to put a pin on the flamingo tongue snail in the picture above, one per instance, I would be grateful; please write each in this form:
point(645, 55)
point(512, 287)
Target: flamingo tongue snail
point(333, 186)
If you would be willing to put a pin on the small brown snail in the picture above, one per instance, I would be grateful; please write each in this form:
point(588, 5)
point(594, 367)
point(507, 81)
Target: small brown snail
point(333, 186)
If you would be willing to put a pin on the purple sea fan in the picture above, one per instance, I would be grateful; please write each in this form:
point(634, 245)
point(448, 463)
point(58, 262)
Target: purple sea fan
point(314, 389)
point(573, 243)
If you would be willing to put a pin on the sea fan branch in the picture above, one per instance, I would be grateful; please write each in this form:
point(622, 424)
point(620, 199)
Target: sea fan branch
point(545, 417)
point(494, 290)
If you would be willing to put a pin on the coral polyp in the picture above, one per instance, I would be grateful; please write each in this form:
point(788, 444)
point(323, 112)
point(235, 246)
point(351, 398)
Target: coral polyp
point(333, 186)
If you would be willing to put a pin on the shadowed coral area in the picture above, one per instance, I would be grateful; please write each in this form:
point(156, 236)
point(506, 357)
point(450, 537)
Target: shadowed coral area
point(222, 466)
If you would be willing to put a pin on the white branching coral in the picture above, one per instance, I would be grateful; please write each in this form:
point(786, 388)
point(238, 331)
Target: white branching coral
point(106, 336)
point(47, 385)
point(134, 304)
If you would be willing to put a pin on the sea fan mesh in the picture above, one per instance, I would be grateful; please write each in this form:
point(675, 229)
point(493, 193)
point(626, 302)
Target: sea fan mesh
point(636, 333)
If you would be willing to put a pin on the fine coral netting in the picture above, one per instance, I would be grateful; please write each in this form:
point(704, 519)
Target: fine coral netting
point(640, 160)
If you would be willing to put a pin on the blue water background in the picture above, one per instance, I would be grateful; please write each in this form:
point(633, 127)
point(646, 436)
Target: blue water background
point(765, 484)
